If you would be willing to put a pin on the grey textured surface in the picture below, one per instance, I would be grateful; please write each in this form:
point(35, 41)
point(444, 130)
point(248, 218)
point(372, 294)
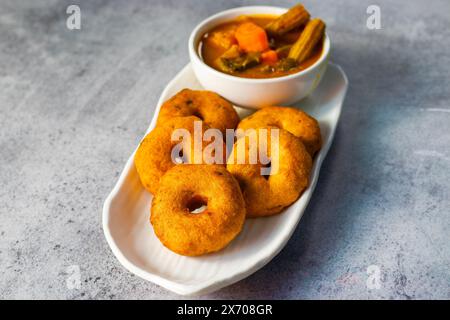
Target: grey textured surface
point(74, 104)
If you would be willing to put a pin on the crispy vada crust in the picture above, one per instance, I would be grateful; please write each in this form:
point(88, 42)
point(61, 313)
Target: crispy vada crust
point(265, 196)
point(214, 110)
point(192, 234)
point(297, 122)
point(154, 155)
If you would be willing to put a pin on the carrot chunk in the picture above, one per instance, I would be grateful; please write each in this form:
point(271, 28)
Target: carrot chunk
point(269, 57)
point(251, 37)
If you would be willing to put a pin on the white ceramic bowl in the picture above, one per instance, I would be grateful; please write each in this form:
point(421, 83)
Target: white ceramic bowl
point(254, 93)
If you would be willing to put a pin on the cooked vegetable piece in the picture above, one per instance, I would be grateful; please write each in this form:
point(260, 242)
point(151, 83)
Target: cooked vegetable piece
point(267, 69)
point(311, 35)
point(231, 53)
point(230, 64)
point(269, 57)
point(222, 39)
point(293, 18)
point(286, 64)
point(251, 37)
point(283, 51)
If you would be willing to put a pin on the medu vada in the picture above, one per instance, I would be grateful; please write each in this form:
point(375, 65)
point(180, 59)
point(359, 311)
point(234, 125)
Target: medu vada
point(154, 155)
point(174, 212)
point(212, 109)
point(290, 166)
point(297, 122)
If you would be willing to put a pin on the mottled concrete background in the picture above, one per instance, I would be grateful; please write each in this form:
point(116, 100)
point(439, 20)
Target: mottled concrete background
point(74, 104)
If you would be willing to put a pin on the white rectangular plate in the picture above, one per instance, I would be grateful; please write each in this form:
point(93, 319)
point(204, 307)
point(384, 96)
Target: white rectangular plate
point(127, 209)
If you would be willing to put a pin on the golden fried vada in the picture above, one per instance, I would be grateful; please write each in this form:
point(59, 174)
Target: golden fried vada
point(293, 120)
point(215, 111)
point(154, 155)
point(290, 166)
point(175, 214)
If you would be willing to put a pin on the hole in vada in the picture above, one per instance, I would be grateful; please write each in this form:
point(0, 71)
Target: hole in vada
point(180, 158)
point(266, 169)
point(197, 204)
point(198, 115)
point(241, 183)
